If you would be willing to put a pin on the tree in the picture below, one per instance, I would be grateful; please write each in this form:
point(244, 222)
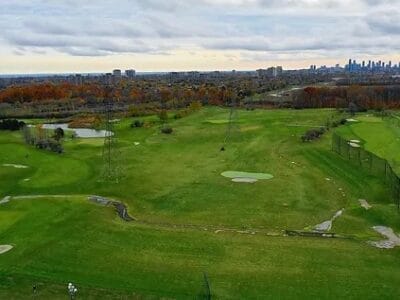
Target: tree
point(58, 134)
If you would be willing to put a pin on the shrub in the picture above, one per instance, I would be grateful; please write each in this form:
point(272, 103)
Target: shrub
point(163, 115)
point(58, 134)
point(313, 134)
point(11, 124)
point(166, 130)
point(137, 124)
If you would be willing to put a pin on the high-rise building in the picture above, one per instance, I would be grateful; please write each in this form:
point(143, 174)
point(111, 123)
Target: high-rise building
point(131, 73)
point(117, 73)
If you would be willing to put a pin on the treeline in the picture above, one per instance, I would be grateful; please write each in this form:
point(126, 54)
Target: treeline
point(44, 139)
point(355, 96)
point(11, 124)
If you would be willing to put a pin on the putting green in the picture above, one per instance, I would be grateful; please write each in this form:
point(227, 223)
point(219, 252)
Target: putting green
point(238, 174)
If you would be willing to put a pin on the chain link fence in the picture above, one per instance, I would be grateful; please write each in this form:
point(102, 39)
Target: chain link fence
point(370, 162)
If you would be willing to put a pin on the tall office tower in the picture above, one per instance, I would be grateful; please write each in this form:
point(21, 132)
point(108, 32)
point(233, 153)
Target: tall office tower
point(117, 73)
point(130, 73)
point(363, 64)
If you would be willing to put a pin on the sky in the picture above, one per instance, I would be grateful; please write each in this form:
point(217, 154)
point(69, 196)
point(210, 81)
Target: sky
point(67, 36)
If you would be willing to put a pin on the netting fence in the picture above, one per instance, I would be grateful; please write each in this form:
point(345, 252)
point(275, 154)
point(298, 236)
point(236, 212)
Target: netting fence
point(367, 160)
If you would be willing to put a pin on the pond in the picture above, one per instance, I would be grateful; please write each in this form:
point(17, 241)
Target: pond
point(80, 132)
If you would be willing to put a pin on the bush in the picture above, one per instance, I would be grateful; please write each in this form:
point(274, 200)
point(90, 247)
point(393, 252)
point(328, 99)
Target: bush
point(58, 134)
point(11, 124)
point(137, 124)
point(166, 130)
point(313, 134)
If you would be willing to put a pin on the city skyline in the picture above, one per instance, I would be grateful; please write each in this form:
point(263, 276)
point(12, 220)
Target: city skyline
point(74, 37)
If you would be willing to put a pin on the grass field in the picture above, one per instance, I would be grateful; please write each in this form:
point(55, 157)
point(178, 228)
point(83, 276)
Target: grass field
point(192, 220)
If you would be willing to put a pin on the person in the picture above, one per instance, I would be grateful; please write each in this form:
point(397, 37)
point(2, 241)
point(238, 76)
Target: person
point(34, 289)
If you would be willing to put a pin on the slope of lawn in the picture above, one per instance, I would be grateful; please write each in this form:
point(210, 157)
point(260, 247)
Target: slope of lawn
point(171, 181)
point(379, 135)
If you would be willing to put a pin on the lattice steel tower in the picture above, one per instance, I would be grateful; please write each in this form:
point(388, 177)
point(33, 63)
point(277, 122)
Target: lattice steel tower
point(111, 170)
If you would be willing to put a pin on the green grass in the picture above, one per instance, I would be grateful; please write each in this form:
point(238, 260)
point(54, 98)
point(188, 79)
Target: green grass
point(172, 181)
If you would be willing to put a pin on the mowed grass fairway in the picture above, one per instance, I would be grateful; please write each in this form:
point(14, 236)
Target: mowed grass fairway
point(191, 219)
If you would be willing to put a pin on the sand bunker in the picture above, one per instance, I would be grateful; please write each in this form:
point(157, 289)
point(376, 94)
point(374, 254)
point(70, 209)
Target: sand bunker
point(327, 225)
point(392, 241)
point(354, 145)
point(351, 120)
point(136, 143)
point(364, 204)
point(246, 177)
point(355, 141)
point(15, 166)
point(244, 180)
point(5, 248)
point(5, 199)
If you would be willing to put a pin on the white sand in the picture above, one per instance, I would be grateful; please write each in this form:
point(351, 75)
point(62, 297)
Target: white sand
point(137, 143)
point(364, 204)
point(354, 145)
point(244, 180)
point(355, 141)
point(392, 241)
point(15, 166)
point(5, 199)
point(351, 120)
point(5, 248)
point(327, 225)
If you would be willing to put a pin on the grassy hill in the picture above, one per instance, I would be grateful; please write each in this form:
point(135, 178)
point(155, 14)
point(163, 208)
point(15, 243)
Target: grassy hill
point(193, 220)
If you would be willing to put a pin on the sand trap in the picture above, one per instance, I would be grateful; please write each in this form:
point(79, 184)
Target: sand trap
point(136, 143)
point(238, 174)
point(27, 179)
point(364, 204)
point(244, 180)
point(327, 225)
point(354, 145)
point(355, 141)
point(5, 199)
point(392, 241)
point(5, 248)
point(351, 120)
point(246, 177)
point(15, 166)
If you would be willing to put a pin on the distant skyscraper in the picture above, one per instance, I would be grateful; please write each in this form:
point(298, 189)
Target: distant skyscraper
point(130, 73)
point(117, 73)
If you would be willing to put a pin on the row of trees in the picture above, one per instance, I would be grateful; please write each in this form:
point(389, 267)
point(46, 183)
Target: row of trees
point(11, 124)
point(43, 138)
point(355, 96)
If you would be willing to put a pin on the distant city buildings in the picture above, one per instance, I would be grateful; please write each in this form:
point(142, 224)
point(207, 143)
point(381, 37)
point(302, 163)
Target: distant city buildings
point(130, 73)
point(371, 66)
point(117, 73)
point(270, 72)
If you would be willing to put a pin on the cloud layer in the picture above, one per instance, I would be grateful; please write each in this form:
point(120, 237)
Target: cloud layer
point(252, 28)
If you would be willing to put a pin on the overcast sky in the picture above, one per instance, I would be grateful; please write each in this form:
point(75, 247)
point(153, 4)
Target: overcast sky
point(160, 35)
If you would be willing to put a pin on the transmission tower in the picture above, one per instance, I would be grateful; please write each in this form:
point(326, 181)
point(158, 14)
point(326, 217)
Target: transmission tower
point(232, 126)
point(111, 170)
